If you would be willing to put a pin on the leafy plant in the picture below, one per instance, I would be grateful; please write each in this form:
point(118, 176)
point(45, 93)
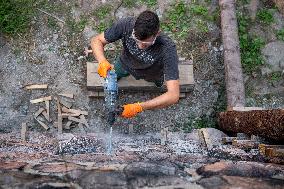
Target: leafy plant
point(149, 3)
point(265, 16)
point(15, 15)
point(250, 46)
point(102, 12)
point(276, 76)
point(280, 34)
point(129, 3)
point(199, 10)
point(177, 20)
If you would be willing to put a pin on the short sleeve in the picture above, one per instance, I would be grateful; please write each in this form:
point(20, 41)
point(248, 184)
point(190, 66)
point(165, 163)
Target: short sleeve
point(116, 31)
point(170, 59)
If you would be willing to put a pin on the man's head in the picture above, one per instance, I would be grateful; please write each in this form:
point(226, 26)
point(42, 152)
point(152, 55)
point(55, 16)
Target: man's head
point(146, 29)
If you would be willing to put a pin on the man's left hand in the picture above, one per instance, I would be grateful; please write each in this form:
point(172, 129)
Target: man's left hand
point(131, 110)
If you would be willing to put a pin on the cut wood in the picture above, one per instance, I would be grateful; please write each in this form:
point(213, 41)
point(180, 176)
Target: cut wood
point(74, 111)
point(44, 113)
point(41, 86)
point(65, 103)
point(47, 110)
point(41, 99)
point(69, 95)
point(245, 144)
point(232, 60)
point(42, 124)
point(81, 120)
point(68, 124)
point(40, 110)
point(226, 140)
point(59, 117)
point(263, 148)
point(66, 115)
point(244, 109)
point(23, 132)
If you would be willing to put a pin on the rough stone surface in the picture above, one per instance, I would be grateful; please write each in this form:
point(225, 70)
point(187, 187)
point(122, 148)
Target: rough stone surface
point(274, 56)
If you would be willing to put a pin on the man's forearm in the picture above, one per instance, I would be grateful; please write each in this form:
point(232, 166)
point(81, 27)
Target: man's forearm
point(161, 101)
point(98, 48)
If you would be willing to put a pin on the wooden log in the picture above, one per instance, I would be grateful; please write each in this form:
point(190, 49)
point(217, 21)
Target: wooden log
point(41, 99)
point(66, 103)
point(23, 132)
point(40, 110)
point(245, 144)
point(245, 109)
point(263, 148)
point(59, 117)
point(69, 95)
point(74, 111)
point(81, 120)
point(47, 110)
point(68, 124)
point(66, 115)
point(42, 124)
point(96, 83)
point(267, 124)
point(44, 113)
point(226, 140)
point(41, 86)
point(232, 60)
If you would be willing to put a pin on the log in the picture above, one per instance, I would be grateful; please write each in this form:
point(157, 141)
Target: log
point(59, 126)
point(41, 99)
point(232, 60)
point(23, 132)
point(268, 124)
point(41, 86)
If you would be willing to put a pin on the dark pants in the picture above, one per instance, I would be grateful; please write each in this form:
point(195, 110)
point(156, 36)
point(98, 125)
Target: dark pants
point(123, 73)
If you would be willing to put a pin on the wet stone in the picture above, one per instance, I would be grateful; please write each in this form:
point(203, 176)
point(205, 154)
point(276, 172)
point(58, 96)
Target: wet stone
point(80, 145)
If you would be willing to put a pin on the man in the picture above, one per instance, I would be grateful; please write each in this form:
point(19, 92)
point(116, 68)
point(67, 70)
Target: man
point(147, 54)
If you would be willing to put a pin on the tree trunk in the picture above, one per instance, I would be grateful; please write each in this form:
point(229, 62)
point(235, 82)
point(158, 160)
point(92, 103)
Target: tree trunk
point(232, 60)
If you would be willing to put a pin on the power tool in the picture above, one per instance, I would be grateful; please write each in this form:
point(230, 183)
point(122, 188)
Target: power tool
point(111, 95)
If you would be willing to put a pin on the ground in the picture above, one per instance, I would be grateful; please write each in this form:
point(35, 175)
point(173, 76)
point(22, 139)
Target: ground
point(51, 52)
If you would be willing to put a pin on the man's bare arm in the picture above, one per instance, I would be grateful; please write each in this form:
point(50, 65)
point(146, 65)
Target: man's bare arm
point(97, 43)
point(166, 99)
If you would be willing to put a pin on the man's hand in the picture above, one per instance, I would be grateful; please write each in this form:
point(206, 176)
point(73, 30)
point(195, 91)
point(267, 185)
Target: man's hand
point(104, 66)
point(131, 110)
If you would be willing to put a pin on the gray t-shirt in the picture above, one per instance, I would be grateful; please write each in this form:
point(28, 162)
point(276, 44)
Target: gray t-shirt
point(153, 63)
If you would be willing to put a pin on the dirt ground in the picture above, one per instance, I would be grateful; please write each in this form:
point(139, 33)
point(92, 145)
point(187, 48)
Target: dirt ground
point(51, 53)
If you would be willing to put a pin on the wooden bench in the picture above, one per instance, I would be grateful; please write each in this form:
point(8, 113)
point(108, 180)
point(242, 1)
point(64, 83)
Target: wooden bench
point(95, 83)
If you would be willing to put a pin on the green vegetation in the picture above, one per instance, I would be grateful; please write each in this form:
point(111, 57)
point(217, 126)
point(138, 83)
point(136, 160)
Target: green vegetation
point(15, 15)
point(76, 27)
point(280, 34)
point(149, 3)
point(265, 16)
point(129, 3)
point(250, 46)
point(181, 17)
point(104, 20)
point(276, 76)
point(102, 12)
point(198, 123)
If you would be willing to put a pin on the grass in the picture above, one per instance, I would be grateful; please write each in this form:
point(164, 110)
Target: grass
point(276, 76)
point(15, 15)
point(104, 20)
point(265, 16)
point(149, 3)
point(181, 17)
point(280, 34)
point(102, 12)
point(250, 46)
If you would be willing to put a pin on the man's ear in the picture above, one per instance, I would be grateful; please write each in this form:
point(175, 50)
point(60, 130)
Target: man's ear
point(158, 32)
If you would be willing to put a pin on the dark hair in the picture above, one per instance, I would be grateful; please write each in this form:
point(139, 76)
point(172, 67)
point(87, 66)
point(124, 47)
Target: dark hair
point(146, 25)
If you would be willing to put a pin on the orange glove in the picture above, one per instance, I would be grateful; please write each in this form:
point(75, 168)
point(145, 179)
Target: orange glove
point(131, 110)
point(104, 66)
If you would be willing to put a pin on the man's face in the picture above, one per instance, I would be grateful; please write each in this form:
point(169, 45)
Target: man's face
point(143, 44)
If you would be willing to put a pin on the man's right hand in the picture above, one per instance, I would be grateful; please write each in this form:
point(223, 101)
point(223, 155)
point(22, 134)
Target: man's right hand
point(104, 67)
